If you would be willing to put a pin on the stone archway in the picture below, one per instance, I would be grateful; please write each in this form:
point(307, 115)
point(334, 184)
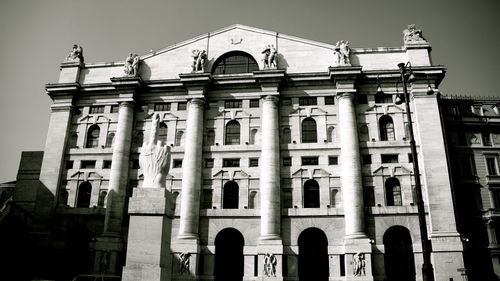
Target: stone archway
point(399, 260)
point(229, 260)
point(313, 255)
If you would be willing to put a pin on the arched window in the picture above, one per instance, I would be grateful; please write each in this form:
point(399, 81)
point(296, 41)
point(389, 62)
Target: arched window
point(63, 197)
point(386, 127)
point(93, 136)
point(253, 136)
point(83, 196)
point(179, 138)
point(233, 132)
point(230, 195)
point(102, 198)
point(139, 139)
point(393, 192)
point(235, 62)
point(330, 134)
point(334, 198)
point(309, 132)
point(287, 136)
point(163, 132)
point(311, 194)
point(364, 135)
point(399, 260)
point(73, 140)
point(210, 137)
point(252, 200)
point(175, 198)
point(110, 140)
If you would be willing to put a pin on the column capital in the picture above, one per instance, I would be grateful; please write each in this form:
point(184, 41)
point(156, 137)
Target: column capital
point(127, 103)
point(272, 98)
point(196, 83)
point(127, 87)
point(269, 80)
point(346, 94)
point(197, 101)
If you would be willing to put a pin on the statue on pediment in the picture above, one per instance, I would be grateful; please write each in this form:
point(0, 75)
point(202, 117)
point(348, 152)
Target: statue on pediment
point(270, 57)
point(342, 53)
point(154, 159)
point(132, 65)
point(199, 58)
point(76, 54)
point(412, 34)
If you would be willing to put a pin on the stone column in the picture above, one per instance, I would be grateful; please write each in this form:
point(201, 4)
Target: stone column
point(191, 171)
point(270, 210)
point(351, 179)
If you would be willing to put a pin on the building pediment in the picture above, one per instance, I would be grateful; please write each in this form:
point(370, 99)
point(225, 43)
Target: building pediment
point(311, 173)
point(230, 174)
point(391, 171)
point(308, 111)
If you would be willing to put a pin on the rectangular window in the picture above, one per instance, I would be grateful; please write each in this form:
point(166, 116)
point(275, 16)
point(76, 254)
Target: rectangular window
point(491, 165)
point(209, 162)
point(97, 109)
point(232, 104)
point(310, 160)
point(362, 99)
point(253, 162)
point(106, 164)
point(369, 196)
point(181, 106)
point(389, 158)
point(177, 163)
point(410, 158)
point(114, 108)
point(366, 159)
point(308, 101)
point(78, 110)
point(383, 98)
point(333, 160)
point(467, 165)
point(287, 197)
point(134, 164)
point(162, 106)
point(486, 139)
point(254, 103)
point(287, 161)
point(232, 162)
point(69, 164)
point(87, 164)
point(329, 100)
point(207, 199)
point(342, 265)
point(286, 101)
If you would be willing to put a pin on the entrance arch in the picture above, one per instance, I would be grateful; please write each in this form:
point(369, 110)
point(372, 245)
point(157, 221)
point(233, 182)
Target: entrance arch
point(229, 255)
point(398, 258)
point(313, 255)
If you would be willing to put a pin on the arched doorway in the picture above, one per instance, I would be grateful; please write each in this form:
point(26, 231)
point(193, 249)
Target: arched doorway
point(313, 255)
point(398, 258)
point(77, 252)
point(229, 255)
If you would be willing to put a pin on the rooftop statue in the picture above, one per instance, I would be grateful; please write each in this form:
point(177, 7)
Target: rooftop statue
point(412, 34)
point(270, 57)
point(199, 58)
point(76, 54)
point(342, 52)
point(132, 65)
point(154, 159)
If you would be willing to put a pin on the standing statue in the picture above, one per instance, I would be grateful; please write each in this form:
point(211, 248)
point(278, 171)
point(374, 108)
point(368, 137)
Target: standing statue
point(270, 57)
point(184, 263)
point(154, 159)
point(342, 53)
point(76, 54)
point(199, 58)
point(358, 268)
point(412, 34)
point(132, 65)
point(270, 265)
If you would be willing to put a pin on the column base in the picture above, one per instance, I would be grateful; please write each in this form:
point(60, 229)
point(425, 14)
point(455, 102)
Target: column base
point(275, 248)
point(108, 254)
point(185, 245)
point(358, 252)
point(145, 272)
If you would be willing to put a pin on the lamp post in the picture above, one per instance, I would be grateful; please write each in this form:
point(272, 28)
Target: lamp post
point(427, 269)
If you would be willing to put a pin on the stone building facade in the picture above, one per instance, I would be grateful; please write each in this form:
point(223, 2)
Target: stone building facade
point(472, 127)
point(291, 167)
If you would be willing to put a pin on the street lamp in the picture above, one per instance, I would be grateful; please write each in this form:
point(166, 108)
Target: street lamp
point(427, 269)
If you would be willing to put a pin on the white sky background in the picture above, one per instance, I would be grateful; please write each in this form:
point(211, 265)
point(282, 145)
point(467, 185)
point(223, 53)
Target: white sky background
point(35, 36)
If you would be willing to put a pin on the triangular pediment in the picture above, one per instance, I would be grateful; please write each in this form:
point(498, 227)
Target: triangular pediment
point(308, 111)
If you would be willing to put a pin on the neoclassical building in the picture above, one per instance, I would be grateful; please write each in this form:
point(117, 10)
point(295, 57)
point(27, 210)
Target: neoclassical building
point(289, 160)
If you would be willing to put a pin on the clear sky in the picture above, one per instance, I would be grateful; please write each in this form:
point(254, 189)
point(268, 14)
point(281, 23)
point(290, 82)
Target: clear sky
point(35, 36)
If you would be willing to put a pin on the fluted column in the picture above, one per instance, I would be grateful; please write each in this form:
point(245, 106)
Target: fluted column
point(118, 178)
point(351, 178)
point(270, 171)
point(191, 171)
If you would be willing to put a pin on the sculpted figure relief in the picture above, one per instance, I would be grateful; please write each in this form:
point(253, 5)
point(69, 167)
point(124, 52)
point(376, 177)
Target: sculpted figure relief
point(270, 265)
point(342, 53)
point(412, 34)
point(132, 65)
point(76, 54)
point(154, 159)
point(359, 264)
point(184, 262)
point(199, 58)
point(270, 57)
